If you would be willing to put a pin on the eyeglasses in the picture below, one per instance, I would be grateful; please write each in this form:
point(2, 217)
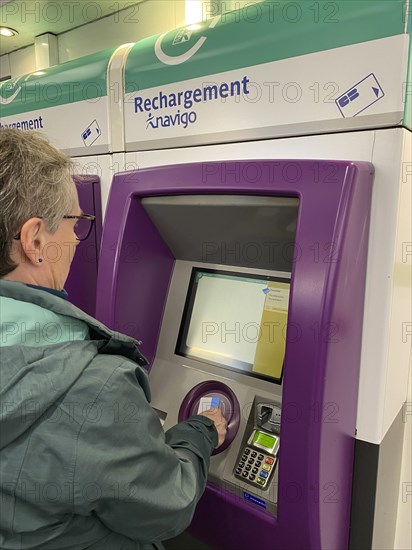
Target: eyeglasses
point(82, 227)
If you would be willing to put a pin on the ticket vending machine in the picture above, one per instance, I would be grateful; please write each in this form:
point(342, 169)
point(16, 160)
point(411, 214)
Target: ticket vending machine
point(250, 297)
point(82, 279)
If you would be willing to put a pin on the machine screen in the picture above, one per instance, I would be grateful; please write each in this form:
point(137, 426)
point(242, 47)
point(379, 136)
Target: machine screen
point(264, 440)
point(236, 321)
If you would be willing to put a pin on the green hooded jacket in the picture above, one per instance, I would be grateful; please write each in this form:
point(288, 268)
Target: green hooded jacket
point(84, 460)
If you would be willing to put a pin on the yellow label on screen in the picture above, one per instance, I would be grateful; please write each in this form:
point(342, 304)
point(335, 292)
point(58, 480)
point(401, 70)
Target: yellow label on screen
point(270, 349)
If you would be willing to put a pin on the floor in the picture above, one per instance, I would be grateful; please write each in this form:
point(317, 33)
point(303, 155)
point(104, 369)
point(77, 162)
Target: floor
point(185, 542)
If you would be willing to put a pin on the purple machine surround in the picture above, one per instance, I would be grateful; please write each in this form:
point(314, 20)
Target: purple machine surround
point(321, 368)
point(82, 280)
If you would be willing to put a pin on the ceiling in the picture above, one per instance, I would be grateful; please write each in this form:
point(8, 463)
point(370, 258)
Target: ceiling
point(34, 17)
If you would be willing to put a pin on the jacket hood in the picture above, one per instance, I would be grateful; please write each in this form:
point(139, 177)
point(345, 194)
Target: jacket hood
point(34, 378)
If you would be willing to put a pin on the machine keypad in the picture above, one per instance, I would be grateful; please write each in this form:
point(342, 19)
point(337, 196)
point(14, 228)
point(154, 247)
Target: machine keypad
point(251, 469)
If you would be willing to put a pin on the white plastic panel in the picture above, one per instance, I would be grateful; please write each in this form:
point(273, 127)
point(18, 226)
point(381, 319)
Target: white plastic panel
point(400, 320)
point(354, 146)
point(115, 92)
point(403, 538)
point(385, 357)
point(259, 107)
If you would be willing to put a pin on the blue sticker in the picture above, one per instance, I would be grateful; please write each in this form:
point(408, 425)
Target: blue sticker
point(360, 96)
point(254, 500)
point(215, 403)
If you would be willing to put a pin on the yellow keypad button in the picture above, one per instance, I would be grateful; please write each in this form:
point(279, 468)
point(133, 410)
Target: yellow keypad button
point(266, 467)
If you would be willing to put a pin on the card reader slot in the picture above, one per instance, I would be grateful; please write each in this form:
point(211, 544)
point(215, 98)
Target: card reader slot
point(268, 417)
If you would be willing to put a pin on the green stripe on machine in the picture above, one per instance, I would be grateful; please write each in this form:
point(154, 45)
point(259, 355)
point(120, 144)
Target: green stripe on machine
point(83, 79)
point(264, 32)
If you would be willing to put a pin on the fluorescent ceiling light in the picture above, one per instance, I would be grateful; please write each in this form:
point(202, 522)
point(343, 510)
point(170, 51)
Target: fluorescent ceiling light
point(7, 31)
point(193, 11)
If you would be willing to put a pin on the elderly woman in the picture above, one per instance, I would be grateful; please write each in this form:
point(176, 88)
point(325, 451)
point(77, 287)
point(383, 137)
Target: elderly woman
point(84, 460)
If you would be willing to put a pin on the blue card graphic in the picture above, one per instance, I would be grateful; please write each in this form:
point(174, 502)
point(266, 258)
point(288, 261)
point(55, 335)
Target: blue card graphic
point(91, 133)
point(360, 96)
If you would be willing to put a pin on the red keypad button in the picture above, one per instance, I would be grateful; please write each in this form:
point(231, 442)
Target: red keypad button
point(269, 460)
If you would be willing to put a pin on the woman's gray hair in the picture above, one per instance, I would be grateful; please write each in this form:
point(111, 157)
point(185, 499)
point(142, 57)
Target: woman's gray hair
point(34, 181)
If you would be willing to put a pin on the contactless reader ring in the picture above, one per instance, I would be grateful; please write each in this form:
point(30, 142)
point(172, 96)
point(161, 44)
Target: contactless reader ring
point(213, 395)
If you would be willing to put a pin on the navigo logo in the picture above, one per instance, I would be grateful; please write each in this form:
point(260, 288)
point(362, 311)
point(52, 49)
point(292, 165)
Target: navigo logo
point(179, 119)
point(183, 35)
point(14, 88)
point(183, 102)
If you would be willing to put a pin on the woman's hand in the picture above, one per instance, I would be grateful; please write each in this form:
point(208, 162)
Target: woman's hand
point(220, 423)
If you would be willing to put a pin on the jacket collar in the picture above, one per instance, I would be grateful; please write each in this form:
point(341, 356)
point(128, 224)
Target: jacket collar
point(61, 293)
point(113, 343)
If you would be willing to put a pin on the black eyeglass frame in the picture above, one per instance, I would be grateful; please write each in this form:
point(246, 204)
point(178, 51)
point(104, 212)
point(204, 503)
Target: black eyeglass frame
point(69, 217)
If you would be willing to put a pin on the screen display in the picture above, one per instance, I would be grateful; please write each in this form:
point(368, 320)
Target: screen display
point(236, 321)
point(265, 440)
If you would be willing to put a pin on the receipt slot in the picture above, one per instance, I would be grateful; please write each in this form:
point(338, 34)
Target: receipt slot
point(268, 417)
point(250, 294)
